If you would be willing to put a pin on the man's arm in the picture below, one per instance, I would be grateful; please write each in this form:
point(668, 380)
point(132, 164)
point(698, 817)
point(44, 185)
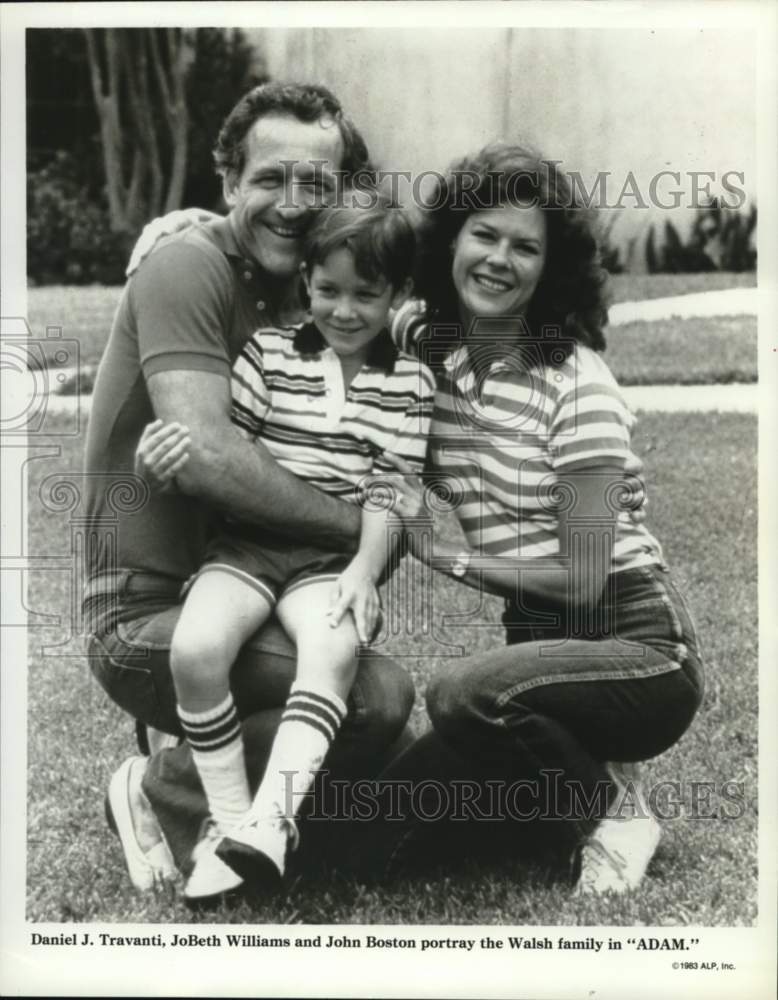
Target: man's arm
point(240, 477)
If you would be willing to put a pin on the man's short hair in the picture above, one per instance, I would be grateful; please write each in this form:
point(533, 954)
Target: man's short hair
point(305, 102)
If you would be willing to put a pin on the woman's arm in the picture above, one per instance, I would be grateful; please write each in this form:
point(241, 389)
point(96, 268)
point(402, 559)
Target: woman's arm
point(575, 577)
point(164, 225)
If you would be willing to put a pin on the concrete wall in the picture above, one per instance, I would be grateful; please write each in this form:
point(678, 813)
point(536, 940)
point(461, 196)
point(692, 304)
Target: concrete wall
point(600, 100)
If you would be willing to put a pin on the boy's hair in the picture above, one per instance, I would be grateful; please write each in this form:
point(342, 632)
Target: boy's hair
point(305, 102)
point(380, 238)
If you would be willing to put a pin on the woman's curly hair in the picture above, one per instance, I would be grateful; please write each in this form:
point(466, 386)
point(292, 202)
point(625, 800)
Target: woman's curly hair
point(570, 296)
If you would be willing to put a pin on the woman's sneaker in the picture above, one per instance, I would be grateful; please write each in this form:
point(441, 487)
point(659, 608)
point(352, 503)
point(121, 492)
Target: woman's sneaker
point(616, 856)
point(211, 881)
point(256, 849)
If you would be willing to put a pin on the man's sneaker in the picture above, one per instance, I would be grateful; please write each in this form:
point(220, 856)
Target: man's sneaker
point(256, 849)
point(616, 856)
point(211, 881)
point(130, 816)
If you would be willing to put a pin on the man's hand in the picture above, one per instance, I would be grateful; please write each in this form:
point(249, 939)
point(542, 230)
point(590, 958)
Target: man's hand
point(429, 522)
point(166, 225)
point(636, 485)
point(162, 451)
point(355, 590)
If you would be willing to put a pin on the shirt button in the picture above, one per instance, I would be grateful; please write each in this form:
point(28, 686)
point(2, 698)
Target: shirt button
point(247, 275)
point(261, 305)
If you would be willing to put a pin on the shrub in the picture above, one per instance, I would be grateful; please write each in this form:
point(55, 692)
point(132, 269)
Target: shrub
point(721, 239)
point(69, 239)
point(225, 68)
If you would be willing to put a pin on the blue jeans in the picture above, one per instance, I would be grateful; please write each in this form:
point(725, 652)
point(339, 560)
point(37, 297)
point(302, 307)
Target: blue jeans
point(525, 730)
point(129, 654)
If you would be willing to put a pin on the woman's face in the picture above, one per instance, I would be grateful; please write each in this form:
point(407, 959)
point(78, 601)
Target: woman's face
point(499, 257)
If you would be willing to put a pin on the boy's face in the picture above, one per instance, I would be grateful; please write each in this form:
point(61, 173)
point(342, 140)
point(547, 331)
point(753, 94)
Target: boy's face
point(349, 311)
point(288, 175)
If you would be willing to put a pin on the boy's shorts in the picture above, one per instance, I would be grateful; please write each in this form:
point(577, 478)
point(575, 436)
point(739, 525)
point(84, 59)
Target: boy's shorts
point(272, 565)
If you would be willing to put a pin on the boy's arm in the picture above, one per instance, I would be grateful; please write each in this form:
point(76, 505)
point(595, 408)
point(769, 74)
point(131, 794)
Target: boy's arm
point(374, 545)
point(356, 586)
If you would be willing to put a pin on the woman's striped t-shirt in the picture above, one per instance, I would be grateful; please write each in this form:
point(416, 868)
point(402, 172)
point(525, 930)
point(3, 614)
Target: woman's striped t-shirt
point(329, 436)
point(508, 436)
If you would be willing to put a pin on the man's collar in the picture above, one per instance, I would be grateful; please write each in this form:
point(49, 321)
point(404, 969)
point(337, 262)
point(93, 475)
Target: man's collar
point(224, 238)
point(279, 295)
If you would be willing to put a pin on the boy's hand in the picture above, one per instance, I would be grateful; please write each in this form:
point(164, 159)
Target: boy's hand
point(163, 450)
point(355, 590)
point(166, 225)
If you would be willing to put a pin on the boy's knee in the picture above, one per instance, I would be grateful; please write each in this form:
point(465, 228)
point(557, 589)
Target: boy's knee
point(195, 655)
point(337, 646)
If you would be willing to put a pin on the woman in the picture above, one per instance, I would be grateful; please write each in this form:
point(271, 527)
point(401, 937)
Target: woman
point(531, 435)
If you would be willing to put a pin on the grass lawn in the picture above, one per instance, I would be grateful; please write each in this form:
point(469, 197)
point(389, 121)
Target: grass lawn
point(82, 312)
point(701, 471)
point(693, 351)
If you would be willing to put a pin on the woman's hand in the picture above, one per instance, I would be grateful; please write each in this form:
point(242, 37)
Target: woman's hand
point(355, 591)
point(162, 451)
point(166, 225)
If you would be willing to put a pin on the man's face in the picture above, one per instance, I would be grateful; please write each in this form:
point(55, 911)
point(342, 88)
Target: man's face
point(288, 175)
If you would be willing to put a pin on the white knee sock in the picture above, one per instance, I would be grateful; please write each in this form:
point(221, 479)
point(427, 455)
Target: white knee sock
point(308, 726)
point(217, 751)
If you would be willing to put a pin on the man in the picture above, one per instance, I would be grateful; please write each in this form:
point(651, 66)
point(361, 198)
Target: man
point(183, 318)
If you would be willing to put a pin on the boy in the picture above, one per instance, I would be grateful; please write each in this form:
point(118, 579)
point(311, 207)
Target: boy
point(328, 398)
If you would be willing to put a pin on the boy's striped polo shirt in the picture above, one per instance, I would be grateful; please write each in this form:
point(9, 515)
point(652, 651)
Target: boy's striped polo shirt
point(319, 430)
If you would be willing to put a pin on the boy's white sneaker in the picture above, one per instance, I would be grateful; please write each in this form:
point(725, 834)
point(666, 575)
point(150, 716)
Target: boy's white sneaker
point(616, 856)
point(256, 849)
point(211, 880)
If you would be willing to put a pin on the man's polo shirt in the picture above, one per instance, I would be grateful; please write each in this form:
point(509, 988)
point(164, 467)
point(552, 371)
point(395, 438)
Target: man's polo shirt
point(191, 306)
